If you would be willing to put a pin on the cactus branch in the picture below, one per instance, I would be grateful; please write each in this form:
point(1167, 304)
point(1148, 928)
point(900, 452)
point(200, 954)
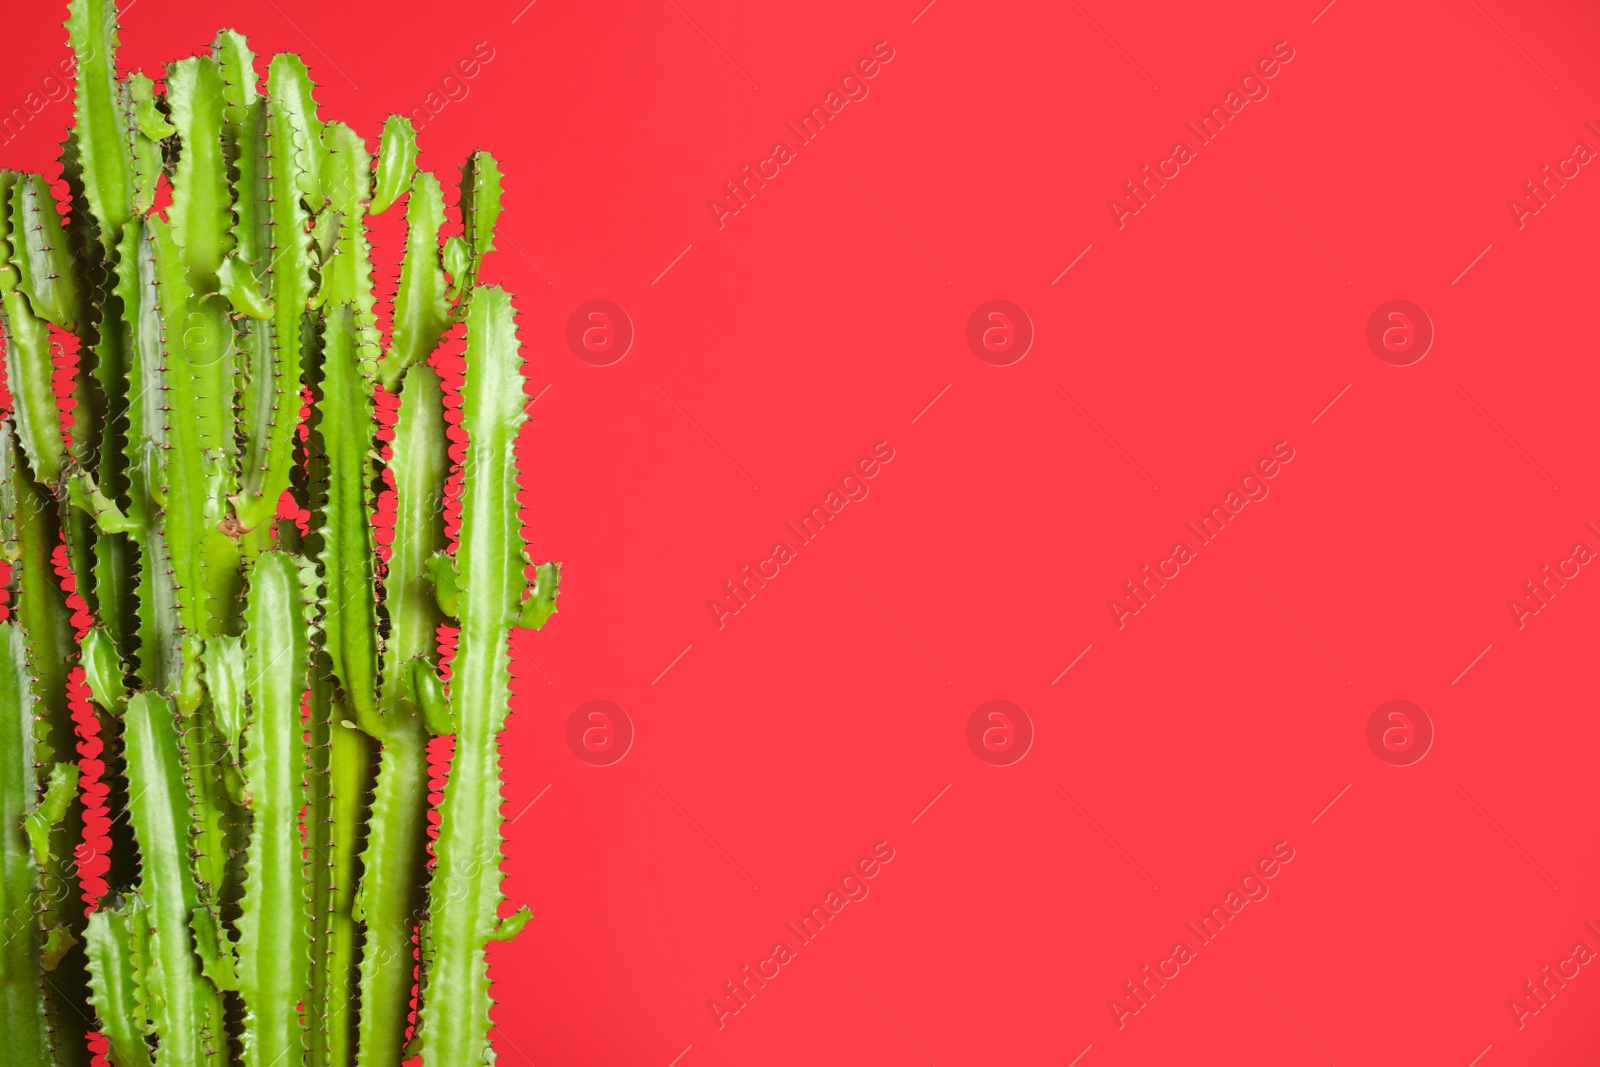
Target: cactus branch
point(464, 896)
point(421, 303)
point(274, 926)
point(394, 859)
point(22, 1009)
point(100, 118)
point(118, 940)
point(186, 1010)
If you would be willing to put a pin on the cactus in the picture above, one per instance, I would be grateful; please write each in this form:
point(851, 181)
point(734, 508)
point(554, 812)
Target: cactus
point(266, 690)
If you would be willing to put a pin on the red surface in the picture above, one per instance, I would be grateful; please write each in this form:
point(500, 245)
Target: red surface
point(1226, 715)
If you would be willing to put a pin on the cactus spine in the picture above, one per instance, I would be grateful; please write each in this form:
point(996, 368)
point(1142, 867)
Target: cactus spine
point(266, 696)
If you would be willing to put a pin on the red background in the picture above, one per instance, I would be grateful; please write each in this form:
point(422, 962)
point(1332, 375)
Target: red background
point(1216, 723)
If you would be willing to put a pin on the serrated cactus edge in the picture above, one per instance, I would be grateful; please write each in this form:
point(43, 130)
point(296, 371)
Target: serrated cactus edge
point(268, 691)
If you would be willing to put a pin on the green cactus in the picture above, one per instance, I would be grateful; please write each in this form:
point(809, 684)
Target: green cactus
point(267, 697)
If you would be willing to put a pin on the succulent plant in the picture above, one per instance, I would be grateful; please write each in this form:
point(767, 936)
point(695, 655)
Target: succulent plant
point(265, 685)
